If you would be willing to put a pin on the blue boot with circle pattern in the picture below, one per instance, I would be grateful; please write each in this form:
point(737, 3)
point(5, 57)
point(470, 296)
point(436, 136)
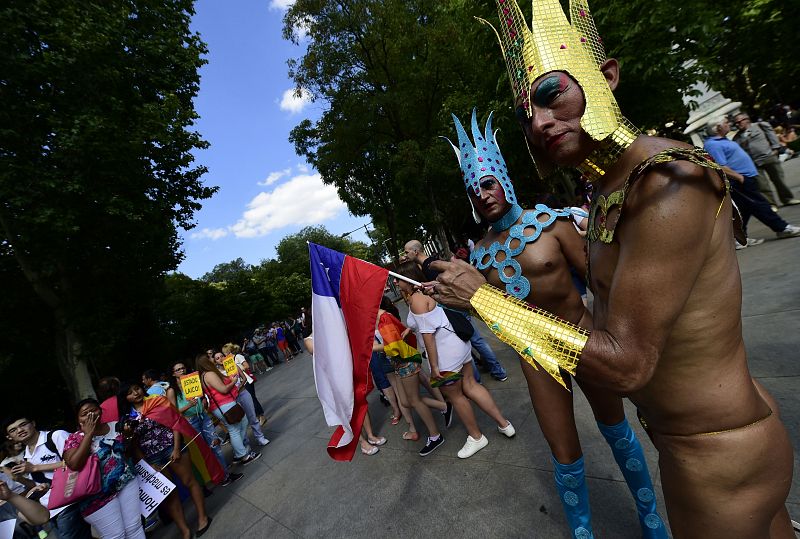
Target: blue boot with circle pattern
point(571, 483)
point(630, 458)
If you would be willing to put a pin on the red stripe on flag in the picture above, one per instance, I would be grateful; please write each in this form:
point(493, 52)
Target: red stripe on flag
point(360, 291)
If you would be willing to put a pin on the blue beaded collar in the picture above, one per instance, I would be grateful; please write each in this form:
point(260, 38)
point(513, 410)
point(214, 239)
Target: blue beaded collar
point(505, 222)
point(482, 258)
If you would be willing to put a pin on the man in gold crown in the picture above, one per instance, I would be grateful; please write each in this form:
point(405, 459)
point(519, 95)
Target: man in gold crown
point(667, 291)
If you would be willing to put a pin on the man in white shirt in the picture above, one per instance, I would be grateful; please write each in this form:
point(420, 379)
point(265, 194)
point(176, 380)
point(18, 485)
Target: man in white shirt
point(43, 454)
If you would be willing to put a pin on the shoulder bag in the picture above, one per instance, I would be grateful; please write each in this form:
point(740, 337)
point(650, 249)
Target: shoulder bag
point(69, 486)
point(232, 416)
point(461, 325)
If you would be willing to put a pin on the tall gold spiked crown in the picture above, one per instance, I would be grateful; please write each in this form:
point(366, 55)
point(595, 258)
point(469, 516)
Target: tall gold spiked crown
point(552, 43)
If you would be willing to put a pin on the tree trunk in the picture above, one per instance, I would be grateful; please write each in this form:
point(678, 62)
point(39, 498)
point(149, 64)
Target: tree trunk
point(73, 367)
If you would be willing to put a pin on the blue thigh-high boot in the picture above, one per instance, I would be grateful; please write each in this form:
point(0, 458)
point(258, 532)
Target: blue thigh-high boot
point(630, 458)
point(571, 484)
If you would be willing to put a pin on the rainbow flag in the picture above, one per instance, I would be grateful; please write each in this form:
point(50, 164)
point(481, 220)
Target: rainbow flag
point(159, 409)
point(448, 377)
point(395, 347)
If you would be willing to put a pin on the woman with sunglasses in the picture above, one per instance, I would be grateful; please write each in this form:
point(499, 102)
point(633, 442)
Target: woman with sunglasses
point(195, 413)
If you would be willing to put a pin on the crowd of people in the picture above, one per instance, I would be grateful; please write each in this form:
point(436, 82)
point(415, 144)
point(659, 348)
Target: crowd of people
point(153, 420)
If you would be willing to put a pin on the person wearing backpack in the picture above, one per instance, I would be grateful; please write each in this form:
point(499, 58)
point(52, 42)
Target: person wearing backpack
point(451, 363)
point(43, 455)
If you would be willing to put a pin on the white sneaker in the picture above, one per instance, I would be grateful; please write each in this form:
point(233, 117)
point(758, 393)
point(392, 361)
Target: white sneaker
point(750, 242)
point(508, 430)
point(472, 446)
point(789, 232)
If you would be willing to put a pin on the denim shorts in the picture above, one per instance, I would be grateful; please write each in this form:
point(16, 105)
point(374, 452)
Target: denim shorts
point(404, 370)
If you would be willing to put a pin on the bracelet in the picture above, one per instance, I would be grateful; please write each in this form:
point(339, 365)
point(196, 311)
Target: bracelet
point(541, 338)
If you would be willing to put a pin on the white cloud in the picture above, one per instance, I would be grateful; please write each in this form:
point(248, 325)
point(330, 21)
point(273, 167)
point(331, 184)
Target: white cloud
point(275, 176)
point(303, 200)
point(211, 233)
point(291, 103)
point(282, 5)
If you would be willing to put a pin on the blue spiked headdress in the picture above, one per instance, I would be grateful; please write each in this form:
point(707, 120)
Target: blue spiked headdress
point(481, 159)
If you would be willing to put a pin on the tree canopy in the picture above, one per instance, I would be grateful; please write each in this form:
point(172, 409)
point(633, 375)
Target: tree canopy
point(96, 163)
point(390, 72)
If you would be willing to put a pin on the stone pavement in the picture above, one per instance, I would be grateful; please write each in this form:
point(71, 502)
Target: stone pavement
point(506, 490)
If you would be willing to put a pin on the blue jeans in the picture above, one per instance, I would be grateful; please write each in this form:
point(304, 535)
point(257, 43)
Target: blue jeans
point(237, 432)
point(70, 524)
point(486, 352)
point(203, 424)
point(245, 400)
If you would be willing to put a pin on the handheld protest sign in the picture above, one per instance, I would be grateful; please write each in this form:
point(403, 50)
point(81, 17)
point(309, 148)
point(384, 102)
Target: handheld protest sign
point(190, 384)
point(230, 365)
point(153, 487)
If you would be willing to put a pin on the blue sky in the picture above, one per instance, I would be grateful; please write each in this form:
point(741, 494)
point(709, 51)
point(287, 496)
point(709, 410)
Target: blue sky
point(246, 111)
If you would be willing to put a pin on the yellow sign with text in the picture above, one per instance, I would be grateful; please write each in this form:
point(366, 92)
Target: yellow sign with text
point(229, 363)
point(190, 384)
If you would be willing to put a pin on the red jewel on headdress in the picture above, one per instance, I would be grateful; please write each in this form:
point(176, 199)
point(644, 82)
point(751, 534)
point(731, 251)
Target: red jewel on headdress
point(512, 33)
point(563, 46)
point(530, 68)
point(582, 13)
point(505, 11)
point(509, 21)
point(583, 40)
point(480, 159)
point(483, 169)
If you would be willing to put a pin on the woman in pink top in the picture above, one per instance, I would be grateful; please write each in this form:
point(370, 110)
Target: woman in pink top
point(222, 393)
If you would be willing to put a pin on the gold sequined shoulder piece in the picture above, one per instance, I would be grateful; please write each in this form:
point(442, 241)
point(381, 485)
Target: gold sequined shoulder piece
point(602, 205)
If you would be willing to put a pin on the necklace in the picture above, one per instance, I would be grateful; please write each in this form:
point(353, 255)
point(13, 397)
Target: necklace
point(482, 258)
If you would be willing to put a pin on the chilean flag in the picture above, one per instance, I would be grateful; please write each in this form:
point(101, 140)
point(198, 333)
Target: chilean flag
point(346, 294)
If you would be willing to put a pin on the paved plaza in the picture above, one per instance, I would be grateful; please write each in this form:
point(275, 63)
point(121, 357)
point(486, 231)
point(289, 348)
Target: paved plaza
point(506, 490)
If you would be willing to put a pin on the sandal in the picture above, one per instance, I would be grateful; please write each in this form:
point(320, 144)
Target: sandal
point(395, 420)
point(371, 451)
point(380, 440)
point(411, 436)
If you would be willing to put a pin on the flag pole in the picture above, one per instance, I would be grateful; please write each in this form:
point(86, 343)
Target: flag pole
point(406, 279)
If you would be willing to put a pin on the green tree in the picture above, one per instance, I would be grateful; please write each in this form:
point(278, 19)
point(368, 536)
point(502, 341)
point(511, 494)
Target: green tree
point(96, 169)
point(390, 72)
point(227, 271)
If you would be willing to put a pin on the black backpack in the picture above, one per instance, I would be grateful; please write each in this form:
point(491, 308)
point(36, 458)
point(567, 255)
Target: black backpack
point(461, 325)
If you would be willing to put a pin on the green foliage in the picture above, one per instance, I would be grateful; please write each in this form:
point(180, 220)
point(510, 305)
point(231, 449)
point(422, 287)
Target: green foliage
point(96, 164)
point(227, 271)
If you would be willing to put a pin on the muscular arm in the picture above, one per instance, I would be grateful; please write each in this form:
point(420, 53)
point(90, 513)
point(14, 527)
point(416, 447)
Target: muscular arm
point(664, 237)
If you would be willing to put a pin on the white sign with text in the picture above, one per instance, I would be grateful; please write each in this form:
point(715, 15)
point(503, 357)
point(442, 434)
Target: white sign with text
point(153, 487)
